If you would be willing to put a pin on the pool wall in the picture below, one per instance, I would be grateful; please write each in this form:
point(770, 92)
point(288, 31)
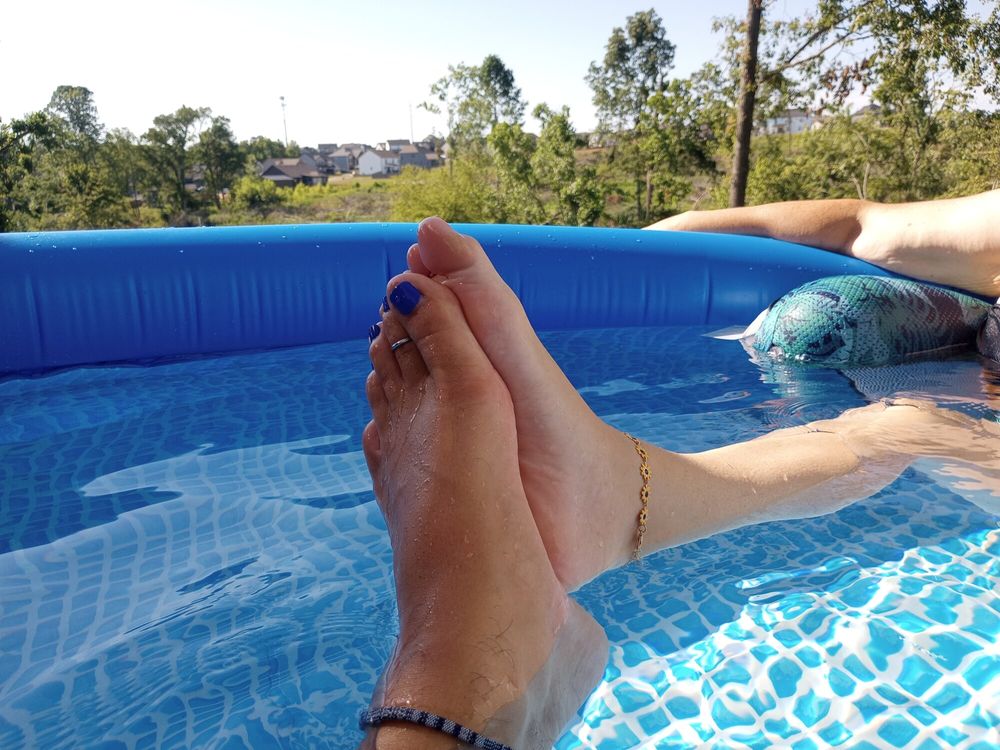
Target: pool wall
point(72, 298)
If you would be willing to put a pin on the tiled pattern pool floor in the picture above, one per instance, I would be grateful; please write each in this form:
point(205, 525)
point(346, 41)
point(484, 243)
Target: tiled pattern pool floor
point(190, 557)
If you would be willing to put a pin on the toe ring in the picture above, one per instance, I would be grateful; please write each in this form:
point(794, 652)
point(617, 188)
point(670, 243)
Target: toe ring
point(405, 340)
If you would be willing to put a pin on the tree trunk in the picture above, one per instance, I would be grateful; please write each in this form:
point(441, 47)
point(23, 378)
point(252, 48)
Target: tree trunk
point(649, 196)
point(638, 198)
point(744, 115)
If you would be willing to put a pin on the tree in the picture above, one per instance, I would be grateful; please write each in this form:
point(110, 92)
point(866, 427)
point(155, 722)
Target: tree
point(513, 199)
point(636, 62)
point(219, 155)
point(576, 196)
point(911, 50)
point(18, 142)
point(73, 186)
point(74, 105)
point(166, 146)
point(677, 139)
point(476, 98)
point(259, 148)
point(122, 155)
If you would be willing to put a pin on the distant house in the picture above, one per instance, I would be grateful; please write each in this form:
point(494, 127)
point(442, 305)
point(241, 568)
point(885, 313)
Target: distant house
point(291, 172)
point(342, 160)
point(411, 155)
point(789, 121)
point(374, 162)
point(317, 159)
point(345, 158)
point(398, 145)
point(326, 148)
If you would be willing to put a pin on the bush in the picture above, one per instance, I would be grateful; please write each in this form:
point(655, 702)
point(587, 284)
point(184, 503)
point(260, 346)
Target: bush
point(256, 194)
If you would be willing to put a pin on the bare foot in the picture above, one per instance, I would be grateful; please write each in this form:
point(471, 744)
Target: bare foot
point(578, 472)
point(488, 636)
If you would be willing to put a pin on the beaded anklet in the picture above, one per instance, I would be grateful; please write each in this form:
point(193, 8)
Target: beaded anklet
point(373, 717)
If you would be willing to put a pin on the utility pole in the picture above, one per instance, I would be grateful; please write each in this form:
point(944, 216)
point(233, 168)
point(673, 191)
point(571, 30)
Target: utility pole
point(284, 120)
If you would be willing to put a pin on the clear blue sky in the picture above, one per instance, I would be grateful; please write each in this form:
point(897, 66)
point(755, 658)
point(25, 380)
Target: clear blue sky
point(349, 70)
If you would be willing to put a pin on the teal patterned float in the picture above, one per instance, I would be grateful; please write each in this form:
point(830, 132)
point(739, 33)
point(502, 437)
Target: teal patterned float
point(860, 321)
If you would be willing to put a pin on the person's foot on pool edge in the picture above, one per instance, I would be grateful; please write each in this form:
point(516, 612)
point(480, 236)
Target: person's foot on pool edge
point(487, 634)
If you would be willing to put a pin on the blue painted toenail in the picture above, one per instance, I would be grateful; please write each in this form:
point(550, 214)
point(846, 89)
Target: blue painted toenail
point(373, 332)
point(405, 297)
point(385, 305)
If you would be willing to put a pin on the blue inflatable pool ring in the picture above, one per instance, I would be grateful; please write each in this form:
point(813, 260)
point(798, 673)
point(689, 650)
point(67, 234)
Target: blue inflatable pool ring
point(864, 321)
point(76, 298)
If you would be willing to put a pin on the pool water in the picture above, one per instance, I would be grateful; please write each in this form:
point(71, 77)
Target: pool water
point(190, 556)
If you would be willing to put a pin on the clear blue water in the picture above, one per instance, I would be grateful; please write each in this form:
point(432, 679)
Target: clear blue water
point(190, 556)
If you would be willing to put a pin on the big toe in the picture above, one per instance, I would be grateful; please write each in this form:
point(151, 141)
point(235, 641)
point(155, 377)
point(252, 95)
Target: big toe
point(445, 252)
point(432, 318)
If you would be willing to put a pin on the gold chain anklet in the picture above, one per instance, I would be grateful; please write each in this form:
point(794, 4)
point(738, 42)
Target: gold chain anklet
point(645, 473)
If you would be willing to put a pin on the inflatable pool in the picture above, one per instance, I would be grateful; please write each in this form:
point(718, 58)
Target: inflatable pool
point(82, 297)
point(190, 555)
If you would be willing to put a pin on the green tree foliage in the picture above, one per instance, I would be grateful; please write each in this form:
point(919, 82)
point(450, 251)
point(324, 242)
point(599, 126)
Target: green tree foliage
point(513, 198)
point(255, 195)
point(677, 140)
point(574, 194)
point(259, 148)
point(459, 193)
point(637, 59)
point(476, 98)
point(219, 157)
point(122, 155)
point(71, 186)
point(19, 140)
point(167, 148)
point(912, 55)
point(74, 106)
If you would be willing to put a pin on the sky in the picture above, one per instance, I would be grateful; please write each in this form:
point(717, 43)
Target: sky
point(350, 70)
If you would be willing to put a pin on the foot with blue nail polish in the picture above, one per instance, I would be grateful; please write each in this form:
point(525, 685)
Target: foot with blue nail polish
point(488, 636)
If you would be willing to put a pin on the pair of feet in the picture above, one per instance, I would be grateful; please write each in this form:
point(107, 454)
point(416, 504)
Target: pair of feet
point(466, 450)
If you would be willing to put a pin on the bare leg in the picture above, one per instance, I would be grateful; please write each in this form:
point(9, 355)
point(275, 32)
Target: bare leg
point(580, 475)
point(488, 636)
